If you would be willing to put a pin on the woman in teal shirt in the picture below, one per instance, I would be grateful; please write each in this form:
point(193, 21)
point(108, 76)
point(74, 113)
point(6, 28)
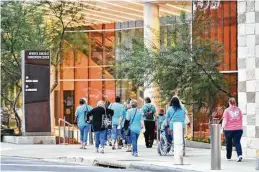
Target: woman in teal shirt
point(176, 113)
point(135, 116)
point(81, 112)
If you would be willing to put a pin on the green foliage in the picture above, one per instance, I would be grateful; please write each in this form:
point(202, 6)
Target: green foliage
point(21, 28)
point(189, 70)
point(63, 16)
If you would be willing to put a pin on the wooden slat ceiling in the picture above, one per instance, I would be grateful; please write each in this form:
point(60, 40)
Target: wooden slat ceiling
point(110, 11)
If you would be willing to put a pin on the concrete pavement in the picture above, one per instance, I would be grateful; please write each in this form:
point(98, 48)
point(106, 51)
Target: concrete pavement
point(13, 164)
point(195, 160)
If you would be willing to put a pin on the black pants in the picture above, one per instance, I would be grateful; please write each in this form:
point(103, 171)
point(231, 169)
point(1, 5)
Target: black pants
point(236, 136)
point(150, 133)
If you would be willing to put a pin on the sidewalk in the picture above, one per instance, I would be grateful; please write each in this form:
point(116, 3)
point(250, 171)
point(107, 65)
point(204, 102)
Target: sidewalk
point(149, 160)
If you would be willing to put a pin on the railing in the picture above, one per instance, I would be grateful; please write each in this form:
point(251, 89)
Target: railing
point(69, 126)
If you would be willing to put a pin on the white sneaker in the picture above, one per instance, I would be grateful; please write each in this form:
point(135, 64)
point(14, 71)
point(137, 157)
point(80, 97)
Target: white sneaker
point(102, 150)
point(240, 158)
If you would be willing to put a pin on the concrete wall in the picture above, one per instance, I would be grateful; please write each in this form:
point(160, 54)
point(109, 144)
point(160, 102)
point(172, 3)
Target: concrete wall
point(248, 73)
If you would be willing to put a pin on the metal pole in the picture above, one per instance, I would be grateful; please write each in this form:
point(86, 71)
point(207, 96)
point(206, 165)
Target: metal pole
point(178, 143)
point(215, 147)
point(257, 160)
point(64, 142)
point(59, 131)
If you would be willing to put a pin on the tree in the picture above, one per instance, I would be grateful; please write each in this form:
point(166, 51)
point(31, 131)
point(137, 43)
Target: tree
point(22, 28)
point(27, 26)
point(64, 16)
point(184, 67)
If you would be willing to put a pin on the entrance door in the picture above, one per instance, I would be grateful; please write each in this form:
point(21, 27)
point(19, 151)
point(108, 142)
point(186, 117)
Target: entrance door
point(69, 106)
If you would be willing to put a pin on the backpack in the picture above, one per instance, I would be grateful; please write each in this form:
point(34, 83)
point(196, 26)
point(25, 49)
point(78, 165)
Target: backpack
point(149, 114)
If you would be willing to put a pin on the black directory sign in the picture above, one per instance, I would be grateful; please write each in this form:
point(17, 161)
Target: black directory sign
point(36, 92)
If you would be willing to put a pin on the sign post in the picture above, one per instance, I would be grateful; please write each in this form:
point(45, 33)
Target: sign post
point(36, 93)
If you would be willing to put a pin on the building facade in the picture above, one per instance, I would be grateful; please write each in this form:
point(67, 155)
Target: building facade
point(92, 74)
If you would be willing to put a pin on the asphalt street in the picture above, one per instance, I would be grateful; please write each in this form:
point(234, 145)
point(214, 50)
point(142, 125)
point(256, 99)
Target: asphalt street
point(16, 164)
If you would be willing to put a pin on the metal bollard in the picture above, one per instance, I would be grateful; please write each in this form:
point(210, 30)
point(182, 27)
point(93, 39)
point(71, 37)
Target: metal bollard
point(215, 147)
point(178, 143)
point(257, 160)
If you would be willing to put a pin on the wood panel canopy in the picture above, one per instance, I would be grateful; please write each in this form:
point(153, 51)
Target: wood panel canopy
point(112, 11)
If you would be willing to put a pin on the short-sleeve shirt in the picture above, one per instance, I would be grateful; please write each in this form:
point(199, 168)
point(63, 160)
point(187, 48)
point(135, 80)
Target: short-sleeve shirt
point(160, 120)
point(135, 122)
point(175, 115)
point(233, 118)
point(145, 109)
point(81, 112)
point(117, 108)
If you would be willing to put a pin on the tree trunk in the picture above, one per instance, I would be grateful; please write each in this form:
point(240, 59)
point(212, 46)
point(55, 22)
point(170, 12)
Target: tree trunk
point(17, 118)
point(56, 80)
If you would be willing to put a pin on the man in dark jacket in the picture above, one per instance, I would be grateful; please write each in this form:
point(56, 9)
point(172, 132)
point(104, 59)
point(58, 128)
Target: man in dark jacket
point(99, 123)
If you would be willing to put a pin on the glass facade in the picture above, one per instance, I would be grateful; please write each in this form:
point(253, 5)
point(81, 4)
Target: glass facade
point(92, 75)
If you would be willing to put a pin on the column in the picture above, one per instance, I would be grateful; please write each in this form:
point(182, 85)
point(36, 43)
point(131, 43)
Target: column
point(151, 35)
point(248, 73)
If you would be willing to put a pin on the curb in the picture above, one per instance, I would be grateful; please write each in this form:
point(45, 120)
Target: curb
point(157, 168)
point(110, 164)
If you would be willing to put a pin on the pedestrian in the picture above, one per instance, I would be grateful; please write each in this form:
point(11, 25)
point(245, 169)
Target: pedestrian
point(125, 128)
point(232, 127)
point(135, 116)
point(101, 120)
point(176, 113)
point(149, 111)
point(80, 120)
point(160, 120)
point(116, 122)
point(108, 131)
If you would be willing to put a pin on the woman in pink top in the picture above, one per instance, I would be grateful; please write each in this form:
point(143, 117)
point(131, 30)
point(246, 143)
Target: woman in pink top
point(232, 126)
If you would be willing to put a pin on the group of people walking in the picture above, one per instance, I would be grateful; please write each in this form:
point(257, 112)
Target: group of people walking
point(116, 124)
point(121, 124)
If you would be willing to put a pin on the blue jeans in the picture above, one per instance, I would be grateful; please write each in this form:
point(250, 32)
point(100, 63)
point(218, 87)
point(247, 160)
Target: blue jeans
point(134, 139)
point(84, 133)
point(99, 138)
point(108, 135)
point(236, 136)
point(115, 132)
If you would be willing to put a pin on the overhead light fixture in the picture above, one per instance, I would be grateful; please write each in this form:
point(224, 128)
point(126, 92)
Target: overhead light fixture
point(121, 6)
point(179, 8)
point(139, 16)
point(105, 13)
point(133, 2)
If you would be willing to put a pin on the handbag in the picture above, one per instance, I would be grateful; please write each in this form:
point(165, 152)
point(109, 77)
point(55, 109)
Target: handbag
point(106, 121)
point(127, 130)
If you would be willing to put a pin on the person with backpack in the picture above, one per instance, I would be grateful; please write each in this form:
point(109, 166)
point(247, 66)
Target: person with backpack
point(80, 119)
point(101, 121)
point(117, 107)
point(136, 124)
point(149, 111)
